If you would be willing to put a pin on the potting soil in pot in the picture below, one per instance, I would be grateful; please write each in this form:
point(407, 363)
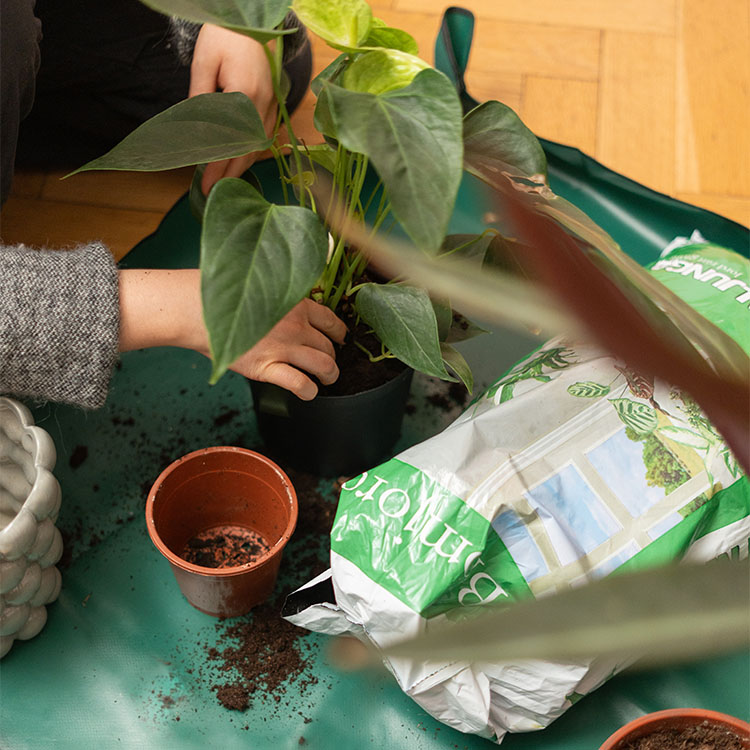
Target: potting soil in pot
point(700, 737)
point(225, 546)
point(357, 372)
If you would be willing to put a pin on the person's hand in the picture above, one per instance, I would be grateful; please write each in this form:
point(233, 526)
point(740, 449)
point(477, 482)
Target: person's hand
point(299, 343)
point(163, 308)
point(225, 60)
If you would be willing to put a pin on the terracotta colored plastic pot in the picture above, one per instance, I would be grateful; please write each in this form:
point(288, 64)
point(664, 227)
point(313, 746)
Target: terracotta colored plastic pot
point(677, 718)
point(217, 488)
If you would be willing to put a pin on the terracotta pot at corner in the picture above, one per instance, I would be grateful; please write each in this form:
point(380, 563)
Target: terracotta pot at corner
point(219, 487)
point(677, 718)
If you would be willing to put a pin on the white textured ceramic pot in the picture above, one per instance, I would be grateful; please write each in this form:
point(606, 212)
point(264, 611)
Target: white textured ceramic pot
point(30, 543)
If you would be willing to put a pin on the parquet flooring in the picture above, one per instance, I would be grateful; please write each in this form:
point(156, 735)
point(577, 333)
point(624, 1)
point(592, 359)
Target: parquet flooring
point(656, 89)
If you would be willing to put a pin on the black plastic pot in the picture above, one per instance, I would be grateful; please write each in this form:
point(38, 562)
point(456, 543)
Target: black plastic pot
point(332, 435)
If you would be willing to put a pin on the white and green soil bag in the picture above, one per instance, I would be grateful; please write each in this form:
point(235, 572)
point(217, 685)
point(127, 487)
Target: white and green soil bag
point(567, 468)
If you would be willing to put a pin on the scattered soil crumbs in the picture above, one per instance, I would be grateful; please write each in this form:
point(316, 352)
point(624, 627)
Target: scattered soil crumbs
point(262, 654)
point(225, 417)
point(225, 547)
point(78, 456)
point(458, 393)
point(700, 737)
point(440, 401)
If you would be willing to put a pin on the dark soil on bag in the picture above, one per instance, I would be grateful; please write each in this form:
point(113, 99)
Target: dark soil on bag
point(225, 547)
point(700, 737)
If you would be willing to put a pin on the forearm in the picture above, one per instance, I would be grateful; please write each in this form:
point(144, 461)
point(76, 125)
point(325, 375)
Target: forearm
point(160, 307)
point(163, 308)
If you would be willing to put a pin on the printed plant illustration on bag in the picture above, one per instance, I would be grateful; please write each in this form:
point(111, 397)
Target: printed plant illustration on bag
point(666, 467)
point(557, 358)
point(698, 433)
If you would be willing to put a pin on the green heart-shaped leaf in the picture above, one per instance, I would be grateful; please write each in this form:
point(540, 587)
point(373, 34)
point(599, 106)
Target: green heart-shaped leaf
point(258, 260)
point(403, 319)
point(462, 329)
point(495, 133)
point(443, 316)
point(202, 129)
point(412, 136)
point(323, 116)
point(196, 198)
point(390, 38)
point(257, 19)
point(382, 70)
point(344, 24)
point(455, 360)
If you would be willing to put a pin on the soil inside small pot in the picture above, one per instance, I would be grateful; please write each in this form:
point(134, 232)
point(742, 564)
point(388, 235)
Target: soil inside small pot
point(357, 372)
point(225, 546)
point(705, 736)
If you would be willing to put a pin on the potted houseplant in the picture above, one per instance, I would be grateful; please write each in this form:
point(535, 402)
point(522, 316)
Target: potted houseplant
point(394, 134)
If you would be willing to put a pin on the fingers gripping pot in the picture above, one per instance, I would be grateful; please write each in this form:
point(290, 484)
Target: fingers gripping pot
point(30, 543)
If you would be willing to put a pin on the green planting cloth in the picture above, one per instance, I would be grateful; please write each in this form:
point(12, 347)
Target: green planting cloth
point(125, 662)
point(123, 656)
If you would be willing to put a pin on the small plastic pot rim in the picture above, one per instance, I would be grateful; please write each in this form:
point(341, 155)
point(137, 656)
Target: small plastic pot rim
point(647, 720)
point(235, 570)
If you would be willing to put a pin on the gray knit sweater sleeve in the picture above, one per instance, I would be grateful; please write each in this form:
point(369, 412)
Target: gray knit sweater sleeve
point(59, 323)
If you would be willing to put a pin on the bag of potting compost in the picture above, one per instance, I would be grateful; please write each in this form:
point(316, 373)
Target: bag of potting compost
point(569, 467)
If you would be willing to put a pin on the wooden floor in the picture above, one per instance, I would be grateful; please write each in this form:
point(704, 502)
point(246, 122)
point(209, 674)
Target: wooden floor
point(656, 89)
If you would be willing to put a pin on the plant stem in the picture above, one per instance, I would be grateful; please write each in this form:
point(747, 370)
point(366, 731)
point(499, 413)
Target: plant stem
point(282, 167)
point(275, 63)
point(332, 270)
point(372, 198)
point(372, 357)
point(352, 169)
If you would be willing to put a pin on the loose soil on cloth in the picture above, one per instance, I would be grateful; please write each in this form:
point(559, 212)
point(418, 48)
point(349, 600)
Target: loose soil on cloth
point(262, 654)
point(261, 661)
point(700, 737)
point(225, 547)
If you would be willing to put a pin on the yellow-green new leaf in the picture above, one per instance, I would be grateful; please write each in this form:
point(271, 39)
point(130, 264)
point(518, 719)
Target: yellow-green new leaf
point(344, 24)
point(382, 70)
